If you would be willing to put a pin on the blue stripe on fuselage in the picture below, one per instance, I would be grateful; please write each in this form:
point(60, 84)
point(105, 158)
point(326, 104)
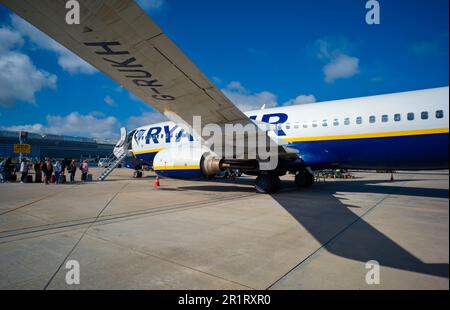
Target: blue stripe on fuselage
point(406, 152)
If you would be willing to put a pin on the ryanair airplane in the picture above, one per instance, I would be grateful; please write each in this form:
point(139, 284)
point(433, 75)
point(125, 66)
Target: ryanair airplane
point(408, 131)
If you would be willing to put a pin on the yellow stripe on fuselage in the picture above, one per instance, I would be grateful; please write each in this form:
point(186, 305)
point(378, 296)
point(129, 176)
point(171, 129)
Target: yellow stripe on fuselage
point(371, 135)
point(194, 167)
point(341, 137)
point(147, 151)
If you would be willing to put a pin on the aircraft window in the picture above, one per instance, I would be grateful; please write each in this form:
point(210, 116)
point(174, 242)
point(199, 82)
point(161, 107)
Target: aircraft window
point(314, 124)
point(439, 114)
point(336, 122)
point(347, 121)
point(372, 119)
point(410, 116)
point(305, 125)
point(296, 126)
point(324, 123)
point(385, 118)
point(288, 126)
point(397, 117)
point(359, 120)
point(424, 115)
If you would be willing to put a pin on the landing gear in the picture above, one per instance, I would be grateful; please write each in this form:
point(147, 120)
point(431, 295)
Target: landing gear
point(267, 183)
point(304, 179)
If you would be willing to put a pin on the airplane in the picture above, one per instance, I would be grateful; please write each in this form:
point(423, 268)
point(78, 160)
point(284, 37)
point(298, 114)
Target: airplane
point(407, 131)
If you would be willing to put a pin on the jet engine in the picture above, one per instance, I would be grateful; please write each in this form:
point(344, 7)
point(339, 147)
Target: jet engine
point(190, 163)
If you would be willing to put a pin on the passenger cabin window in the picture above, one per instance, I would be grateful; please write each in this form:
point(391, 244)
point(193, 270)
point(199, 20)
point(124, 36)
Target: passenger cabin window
point(288, 126)
point(359, 120)
point(296, 126)
point(336, 122)
point(385, 118)
point(314, 124)
point(324, 123)
point(305, 125)
point(347, 121)
point(372, 119)
point(410, 116)
point(424, 115)
point(397, 117)
point(439, 114)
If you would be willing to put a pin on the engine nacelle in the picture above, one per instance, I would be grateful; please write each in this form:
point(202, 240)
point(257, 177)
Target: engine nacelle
point(186, 164)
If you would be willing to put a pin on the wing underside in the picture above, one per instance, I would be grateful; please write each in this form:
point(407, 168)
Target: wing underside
point(118, 38)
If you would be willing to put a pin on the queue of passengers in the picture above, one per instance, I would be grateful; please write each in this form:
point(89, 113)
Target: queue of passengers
point(49, 171)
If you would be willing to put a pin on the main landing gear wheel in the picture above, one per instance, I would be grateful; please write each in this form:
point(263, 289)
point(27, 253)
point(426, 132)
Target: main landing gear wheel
point(267, 184)
point(304, 179)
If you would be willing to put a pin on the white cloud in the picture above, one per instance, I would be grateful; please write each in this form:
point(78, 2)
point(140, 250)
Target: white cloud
point(245, 100)
point(339, 64)
point(9, 39)
point(144, 119)
point(151, 5)
point(75, 124)
point(302, 99)
point(110, 101)
point(19, 78)
point(341, 67)
point(66, 59)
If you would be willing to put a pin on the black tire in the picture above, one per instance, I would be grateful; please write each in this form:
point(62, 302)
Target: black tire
point(267, 184)
point(304, 179)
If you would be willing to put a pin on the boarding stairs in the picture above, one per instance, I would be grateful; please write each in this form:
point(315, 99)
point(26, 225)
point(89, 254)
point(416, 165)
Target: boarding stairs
point(120, 152)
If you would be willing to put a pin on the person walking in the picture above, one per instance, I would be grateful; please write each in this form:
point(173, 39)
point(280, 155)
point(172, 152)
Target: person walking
point(38, 171)
point(84, 167)
point(72, 169)
point(2, 171)
point(48, 171)
point(57, 168)
point(9, 167)
point(24, 170)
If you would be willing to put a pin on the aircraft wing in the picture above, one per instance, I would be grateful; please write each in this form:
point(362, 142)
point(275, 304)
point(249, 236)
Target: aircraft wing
point(119, 39)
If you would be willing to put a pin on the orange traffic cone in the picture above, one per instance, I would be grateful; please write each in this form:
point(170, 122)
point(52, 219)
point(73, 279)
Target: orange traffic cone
point(156, 182)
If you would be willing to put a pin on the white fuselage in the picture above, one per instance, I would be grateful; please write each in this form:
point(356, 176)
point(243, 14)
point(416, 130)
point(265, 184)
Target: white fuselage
point(408, 114)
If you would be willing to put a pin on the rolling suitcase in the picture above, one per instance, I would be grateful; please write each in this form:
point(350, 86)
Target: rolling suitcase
point(38, 178)
point(89, 177)
point(29, 179)
point(63, 179)
point(13, 178)
point(52, 179)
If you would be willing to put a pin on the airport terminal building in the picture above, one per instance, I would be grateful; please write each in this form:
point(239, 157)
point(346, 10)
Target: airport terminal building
point(55, 146)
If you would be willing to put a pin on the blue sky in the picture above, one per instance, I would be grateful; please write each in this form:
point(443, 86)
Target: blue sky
point(258, 52)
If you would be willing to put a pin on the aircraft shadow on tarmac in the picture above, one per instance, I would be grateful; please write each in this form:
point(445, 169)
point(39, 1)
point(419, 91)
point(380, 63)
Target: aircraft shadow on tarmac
point(327, 218)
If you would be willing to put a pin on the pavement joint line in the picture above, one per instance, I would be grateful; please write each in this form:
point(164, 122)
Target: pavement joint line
point(108, 219)
point(170, 261)
point(331, 240)
point(82, 235)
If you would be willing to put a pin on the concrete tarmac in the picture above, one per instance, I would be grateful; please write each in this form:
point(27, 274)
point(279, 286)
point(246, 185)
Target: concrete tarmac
point(125, 234)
